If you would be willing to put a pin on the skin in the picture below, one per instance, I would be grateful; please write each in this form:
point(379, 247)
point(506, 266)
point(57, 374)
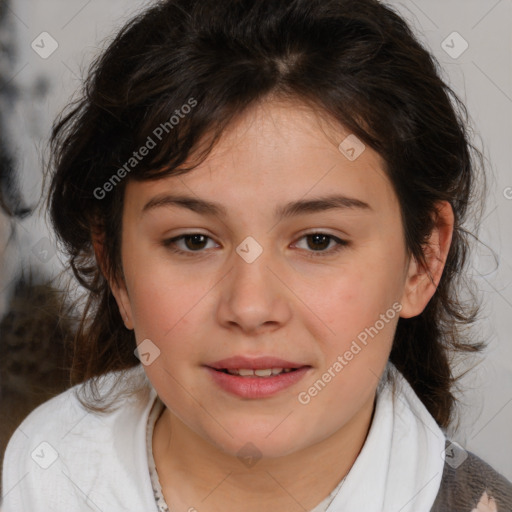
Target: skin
point(213, 304)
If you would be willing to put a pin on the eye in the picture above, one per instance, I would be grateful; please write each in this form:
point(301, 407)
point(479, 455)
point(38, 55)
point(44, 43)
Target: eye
point(320, 241)
point(193, 242)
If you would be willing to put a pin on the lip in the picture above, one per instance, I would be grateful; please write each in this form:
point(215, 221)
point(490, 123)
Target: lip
point(255, 387)
point(255, 363)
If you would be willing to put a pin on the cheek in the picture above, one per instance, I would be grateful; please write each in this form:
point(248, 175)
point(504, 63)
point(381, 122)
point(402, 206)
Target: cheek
point(361, 313)
point(355, 299)
point(167, 303)
point(360, 305)
point(159, 304)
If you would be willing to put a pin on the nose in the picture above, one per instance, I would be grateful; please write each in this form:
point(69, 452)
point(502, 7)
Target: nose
point(253, 298)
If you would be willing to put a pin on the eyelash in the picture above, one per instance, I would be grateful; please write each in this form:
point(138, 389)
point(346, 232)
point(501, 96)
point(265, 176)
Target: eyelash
point(340, 244)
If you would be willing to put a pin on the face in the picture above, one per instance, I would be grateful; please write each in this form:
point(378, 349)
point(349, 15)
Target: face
point(253, 277)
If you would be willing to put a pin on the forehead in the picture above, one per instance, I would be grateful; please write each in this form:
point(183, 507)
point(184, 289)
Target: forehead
point(275, 152)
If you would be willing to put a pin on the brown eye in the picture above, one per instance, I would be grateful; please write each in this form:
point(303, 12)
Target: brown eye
point(195, 242)
point(190, 243)
point(318, 241)
point(317, 244)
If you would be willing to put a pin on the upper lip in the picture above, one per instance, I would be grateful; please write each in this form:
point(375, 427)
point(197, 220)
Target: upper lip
point(256, 363)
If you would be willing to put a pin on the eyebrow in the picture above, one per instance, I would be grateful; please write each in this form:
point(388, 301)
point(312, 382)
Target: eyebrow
point(293, 208)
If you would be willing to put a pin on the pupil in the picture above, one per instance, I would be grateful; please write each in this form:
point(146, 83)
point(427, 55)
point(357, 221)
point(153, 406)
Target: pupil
point(316, 238)
point(195, 240)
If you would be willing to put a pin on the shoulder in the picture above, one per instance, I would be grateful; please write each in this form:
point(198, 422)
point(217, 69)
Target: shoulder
point(64, 417)
point(468, 482)
point(62, 450)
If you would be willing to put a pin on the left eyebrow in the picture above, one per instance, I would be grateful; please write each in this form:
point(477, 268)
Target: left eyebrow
point(293, 208)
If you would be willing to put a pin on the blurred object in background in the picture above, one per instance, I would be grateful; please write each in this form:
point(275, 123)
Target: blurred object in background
point(35, 326)
point(10, 199)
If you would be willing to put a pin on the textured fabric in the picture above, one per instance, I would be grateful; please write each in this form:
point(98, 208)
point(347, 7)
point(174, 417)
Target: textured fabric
point(471, 485)
point(65, 459)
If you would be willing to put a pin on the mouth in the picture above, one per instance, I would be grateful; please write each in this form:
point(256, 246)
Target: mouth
point(253, 378)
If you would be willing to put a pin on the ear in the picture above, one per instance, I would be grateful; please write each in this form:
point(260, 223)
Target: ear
point(421, 283)
point(118, 289)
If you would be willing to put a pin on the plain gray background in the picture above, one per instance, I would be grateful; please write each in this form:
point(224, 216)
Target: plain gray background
point(481, 75)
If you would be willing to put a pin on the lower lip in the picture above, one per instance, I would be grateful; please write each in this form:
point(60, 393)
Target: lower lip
point(256, 387)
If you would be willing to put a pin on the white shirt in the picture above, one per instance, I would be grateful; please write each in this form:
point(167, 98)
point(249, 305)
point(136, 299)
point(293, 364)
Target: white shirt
point(65, 458)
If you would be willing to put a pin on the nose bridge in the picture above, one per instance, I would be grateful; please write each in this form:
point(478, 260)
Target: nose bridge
point(251, 274)
point(252, 295)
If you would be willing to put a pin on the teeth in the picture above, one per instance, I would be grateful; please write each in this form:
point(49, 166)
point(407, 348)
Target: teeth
point(267, 372)
point(263, 373)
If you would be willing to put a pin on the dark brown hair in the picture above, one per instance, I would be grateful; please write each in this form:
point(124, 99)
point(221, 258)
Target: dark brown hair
point(355, 60)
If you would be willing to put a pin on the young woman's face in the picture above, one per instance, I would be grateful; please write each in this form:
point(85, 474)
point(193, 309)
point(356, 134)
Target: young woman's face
point(251, 280)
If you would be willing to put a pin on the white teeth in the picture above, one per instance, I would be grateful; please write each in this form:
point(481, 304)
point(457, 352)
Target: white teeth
point(263, 373)
point(267, 372)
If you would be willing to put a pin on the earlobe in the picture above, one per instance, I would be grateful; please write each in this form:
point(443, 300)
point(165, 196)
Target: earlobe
point(118, 291)
point(422, 282)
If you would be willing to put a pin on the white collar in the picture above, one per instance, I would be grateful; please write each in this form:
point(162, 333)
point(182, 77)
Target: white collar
point(400, 466)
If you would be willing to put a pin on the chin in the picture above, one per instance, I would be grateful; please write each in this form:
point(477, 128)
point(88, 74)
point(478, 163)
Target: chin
point(255, 444)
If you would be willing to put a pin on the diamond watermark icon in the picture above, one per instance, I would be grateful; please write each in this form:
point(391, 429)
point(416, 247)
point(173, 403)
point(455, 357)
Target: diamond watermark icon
point(454, 45)
point(249, 249)
point(351, 147)
point(249, 455)
point(44, 250)
point(147, 352)
point(454, 454)
point(44, 455)
point(44, 45)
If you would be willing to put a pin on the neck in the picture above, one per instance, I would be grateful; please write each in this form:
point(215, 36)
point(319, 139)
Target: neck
point(195, 473)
